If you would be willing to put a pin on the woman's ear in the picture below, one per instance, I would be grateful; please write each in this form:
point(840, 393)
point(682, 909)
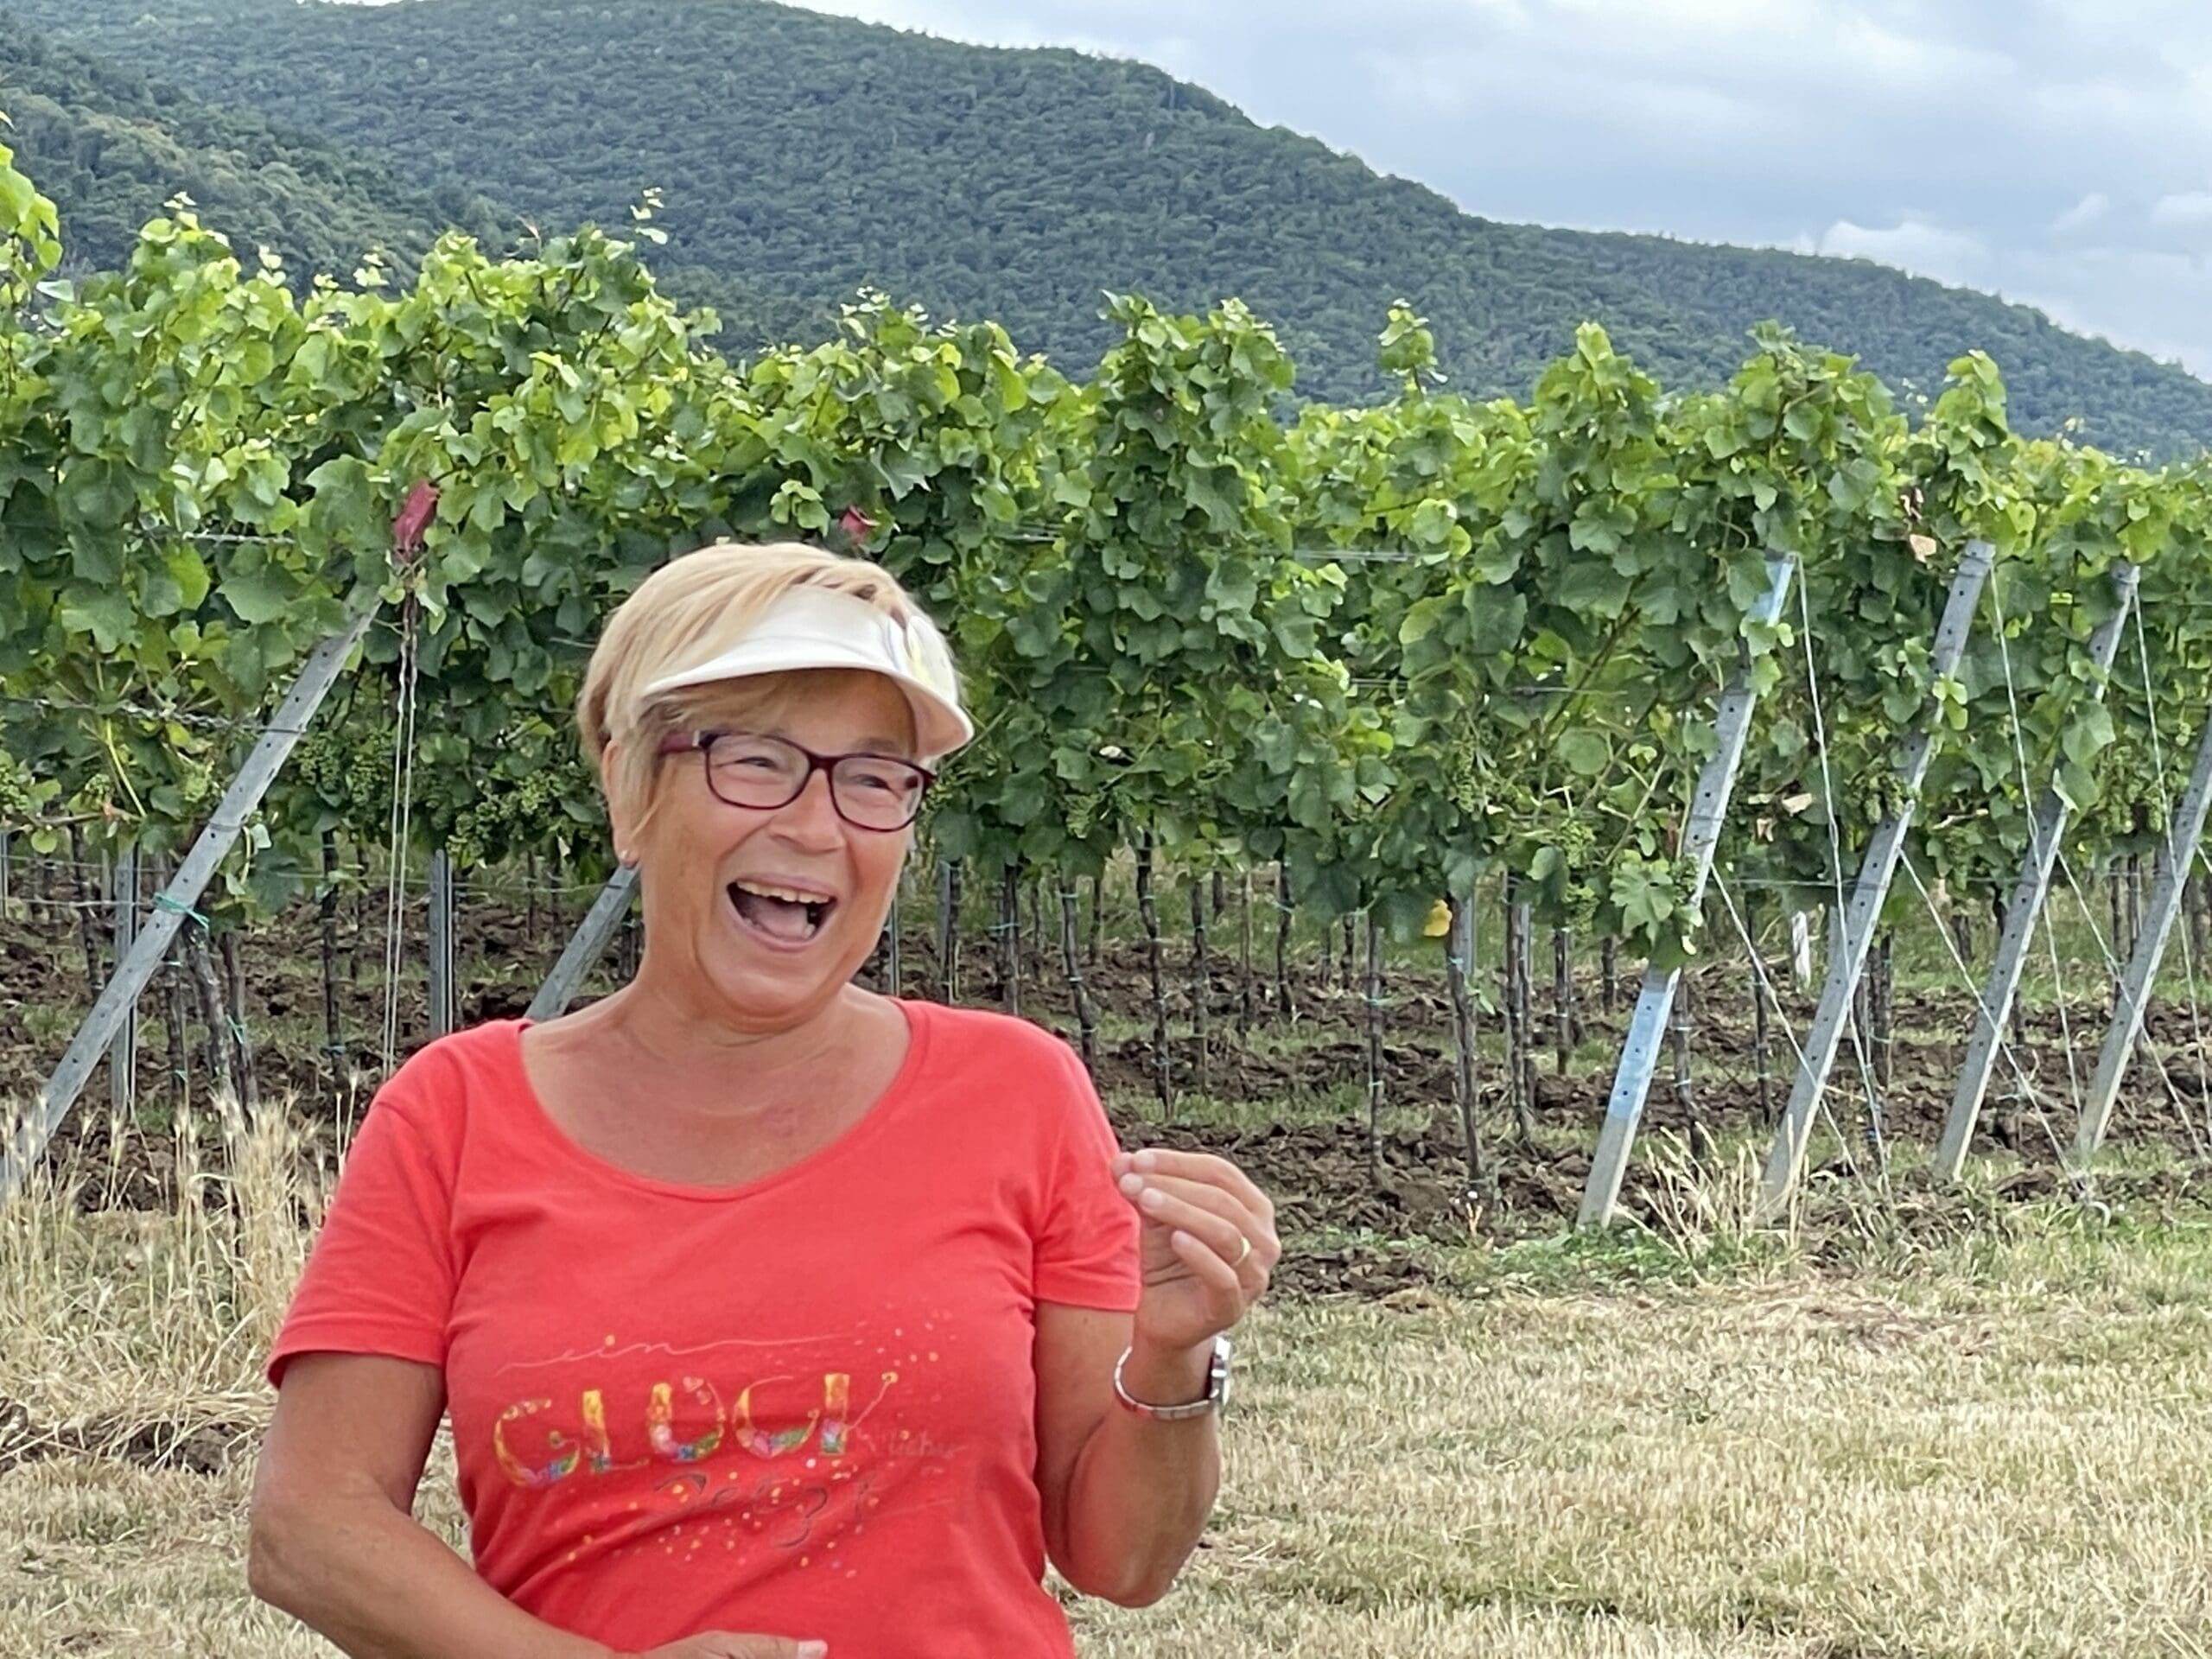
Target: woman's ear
point(619, 822)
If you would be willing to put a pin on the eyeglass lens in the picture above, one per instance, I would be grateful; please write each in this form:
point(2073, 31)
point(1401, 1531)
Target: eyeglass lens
point(875, 791)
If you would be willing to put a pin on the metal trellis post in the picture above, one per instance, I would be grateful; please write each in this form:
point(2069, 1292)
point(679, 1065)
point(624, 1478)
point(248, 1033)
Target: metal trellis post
point(1855, 927)
point(2046, 828)
point(1655, 1001)
point(586, 945)
point(120, 994)
point(2175, 862)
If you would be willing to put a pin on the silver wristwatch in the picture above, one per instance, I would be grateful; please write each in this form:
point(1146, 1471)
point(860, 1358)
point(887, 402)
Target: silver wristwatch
point(1217, 1395)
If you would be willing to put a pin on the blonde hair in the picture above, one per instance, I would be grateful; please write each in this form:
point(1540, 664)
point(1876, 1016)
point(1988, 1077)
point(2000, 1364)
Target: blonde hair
point(691, 609)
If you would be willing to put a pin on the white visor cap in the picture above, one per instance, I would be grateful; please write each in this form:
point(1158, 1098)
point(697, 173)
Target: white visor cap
point(819, 627)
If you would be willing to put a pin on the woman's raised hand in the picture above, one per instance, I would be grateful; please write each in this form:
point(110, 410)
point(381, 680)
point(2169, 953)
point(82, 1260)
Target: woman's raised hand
point(1209, 1244)
point(727, 1644)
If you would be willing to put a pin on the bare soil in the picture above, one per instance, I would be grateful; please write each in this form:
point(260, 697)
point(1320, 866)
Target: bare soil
point(1271, 1081)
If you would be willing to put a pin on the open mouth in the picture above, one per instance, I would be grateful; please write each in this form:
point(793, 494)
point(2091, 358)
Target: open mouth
point(784, 914)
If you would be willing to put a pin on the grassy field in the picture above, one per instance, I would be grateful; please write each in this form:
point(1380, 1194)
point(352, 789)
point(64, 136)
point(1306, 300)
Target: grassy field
point(1948, 1442)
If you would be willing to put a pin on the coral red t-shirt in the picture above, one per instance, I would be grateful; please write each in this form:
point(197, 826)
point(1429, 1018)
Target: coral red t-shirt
point(805, 1406)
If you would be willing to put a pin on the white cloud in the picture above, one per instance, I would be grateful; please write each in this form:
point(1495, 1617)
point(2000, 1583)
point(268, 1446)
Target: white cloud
point(2188, 212)
point(1913, 244)
point(2082, 214)
point(2154, 301)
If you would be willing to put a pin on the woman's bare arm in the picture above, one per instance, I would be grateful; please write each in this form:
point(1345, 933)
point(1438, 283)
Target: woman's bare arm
point(334, 1538)
point(1125, 1497)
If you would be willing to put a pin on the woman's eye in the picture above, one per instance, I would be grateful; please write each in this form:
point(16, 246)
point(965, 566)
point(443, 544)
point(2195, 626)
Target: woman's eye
point(888, 783)
point(751, 758)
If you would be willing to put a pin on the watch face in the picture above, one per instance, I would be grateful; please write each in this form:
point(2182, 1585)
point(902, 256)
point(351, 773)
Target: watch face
point(1217, 1390)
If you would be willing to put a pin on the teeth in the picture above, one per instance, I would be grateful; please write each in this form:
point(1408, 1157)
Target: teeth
point(790, 895)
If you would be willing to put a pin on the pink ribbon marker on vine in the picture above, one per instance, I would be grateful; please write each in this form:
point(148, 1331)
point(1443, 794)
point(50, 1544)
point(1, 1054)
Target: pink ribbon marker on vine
point(414, 517)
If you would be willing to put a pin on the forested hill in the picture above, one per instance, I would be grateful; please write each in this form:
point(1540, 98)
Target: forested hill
point(110, 147)
point(803, 156)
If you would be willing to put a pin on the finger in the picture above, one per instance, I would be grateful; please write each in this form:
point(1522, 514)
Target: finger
point(1208, 1265)
point(1257, 1229)
point(1203, 1167)
point(731, 1645)
point(1220, 1233)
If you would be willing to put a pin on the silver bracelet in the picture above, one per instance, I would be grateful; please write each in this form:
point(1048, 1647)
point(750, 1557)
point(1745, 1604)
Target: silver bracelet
point(1216, 1394)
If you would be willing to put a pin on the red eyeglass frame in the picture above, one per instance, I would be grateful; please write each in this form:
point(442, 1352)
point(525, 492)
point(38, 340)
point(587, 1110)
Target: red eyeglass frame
point(703, 742)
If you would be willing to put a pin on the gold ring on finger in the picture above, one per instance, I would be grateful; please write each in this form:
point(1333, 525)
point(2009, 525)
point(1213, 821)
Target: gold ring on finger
point(1246, 1242)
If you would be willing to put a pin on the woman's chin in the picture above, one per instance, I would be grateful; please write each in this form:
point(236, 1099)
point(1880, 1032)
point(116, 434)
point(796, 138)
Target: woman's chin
point(754, 987)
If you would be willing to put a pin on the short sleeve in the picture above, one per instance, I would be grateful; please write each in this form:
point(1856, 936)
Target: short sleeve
point(380, 1278)
point(1086, 1240)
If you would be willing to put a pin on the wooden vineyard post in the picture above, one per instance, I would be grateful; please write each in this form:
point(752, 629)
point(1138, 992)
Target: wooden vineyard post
point(333, 1046)
point(1655, 1001)
point(1459, 967)
point(1853, 930)
point(1201, 988)
point(123, 1053)
point(2046, 828)
point(1148, 911)
point(1373, 998)
point(586, 945)
point(2168, 888)
point(83, 900)
point(444, 1010)
point(1244, 977)
point(1565, 1024)
point(948, 929)
point(1762, 1035)
point(893, 967)
point(1520, 1070)
point(175, 903)
point(1086, 1011)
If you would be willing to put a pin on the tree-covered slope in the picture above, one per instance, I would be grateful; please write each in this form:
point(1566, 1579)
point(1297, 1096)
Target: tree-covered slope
point(803, 156)
point(111, 147)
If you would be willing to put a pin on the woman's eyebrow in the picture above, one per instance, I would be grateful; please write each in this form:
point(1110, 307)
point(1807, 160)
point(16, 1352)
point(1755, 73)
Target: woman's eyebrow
point(876, 743)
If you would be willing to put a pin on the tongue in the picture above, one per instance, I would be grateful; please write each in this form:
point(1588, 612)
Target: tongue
point(778, 918)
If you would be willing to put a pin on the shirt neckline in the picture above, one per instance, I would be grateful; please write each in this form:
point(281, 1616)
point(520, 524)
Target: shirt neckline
point(886, 1105)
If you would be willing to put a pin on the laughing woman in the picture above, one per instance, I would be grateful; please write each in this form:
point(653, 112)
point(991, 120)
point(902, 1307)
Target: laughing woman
point(773, 1316)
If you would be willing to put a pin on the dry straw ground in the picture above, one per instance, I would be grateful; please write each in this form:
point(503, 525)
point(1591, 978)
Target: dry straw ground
point(1997, 1445)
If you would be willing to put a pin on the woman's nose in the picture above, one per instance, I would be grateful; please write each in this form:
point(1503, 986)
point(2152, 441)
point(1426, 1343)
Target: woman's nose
point(813, 816)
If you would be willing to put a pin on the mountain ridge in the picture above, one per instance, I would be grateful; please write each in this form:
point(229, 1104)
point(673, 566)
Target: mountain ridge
point(803, 156)
point(110, 148)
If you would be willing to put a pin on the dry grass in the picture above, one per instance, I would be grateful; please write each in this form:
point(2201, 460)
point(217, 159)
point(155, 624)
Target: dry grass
point(2003, 1447)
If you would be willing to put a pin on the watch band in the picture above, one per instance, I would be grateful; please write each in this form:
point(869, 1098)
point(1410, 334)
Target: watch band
point(1215, 1397)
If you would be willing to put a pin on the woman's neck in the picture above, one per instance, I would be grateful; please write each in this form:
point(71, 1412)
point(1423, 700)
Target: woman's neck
point(662, 1033)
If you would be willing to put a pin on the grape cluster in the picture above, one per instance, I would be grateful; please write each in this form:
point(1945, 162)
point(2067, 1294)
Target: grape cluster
point(348, 767)
point(1875, 794)
point(1583, 882)
point(1470, 781)
point(1083, 810)
point(18, 799)
point(513, 816)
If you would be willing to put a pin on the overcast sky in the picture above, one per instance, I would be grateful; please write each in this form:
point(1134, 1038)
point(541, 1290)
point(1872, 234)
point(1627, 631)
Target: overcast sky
point(2058, 152)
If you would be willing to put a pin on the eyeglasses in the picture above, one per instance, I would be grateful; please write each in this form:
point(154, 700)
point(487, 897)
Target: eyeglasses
point(760, 773)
